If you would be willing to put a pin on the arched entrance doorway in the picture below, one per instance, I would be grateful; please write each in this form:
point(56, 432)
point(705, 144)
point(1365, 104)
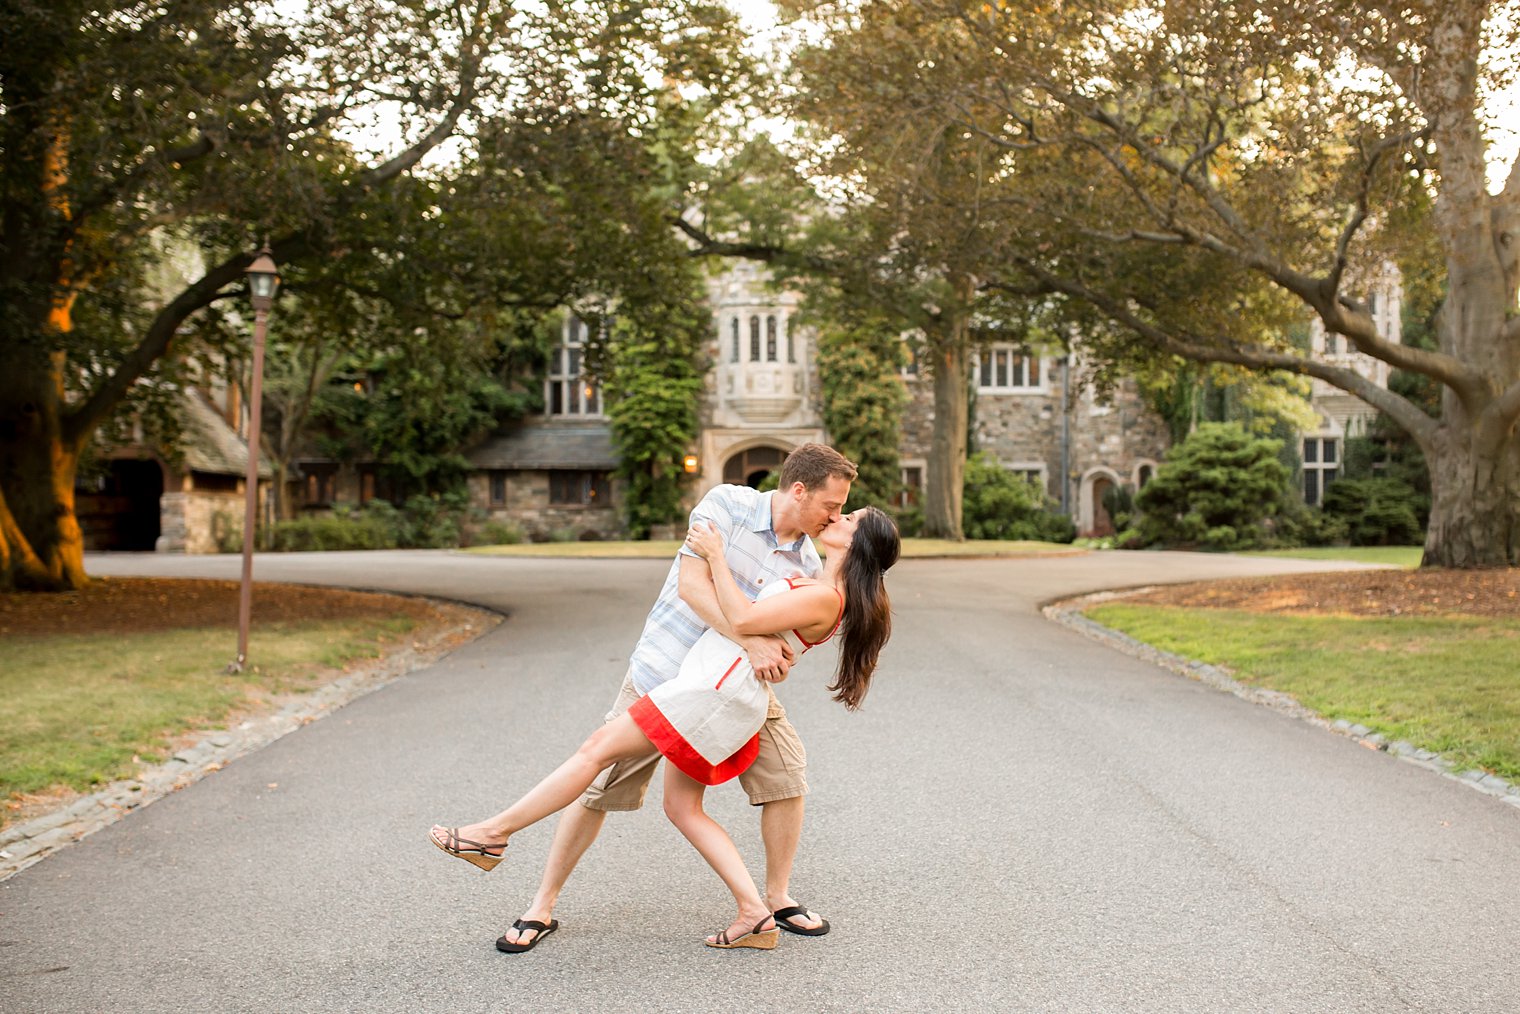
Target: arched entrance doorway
point(120, 510)
point(1093, 518)
point(750, 467)
point(1103, 524)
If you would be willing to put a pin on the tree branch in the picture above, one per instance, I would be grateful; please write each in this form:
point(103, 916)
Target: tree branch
point(707, 245)
point(471, 57)
point(1419, 425)
point(82, 420)
point(1360, 206)
point(1505, 409)
point(766, 253)
point(202, 146)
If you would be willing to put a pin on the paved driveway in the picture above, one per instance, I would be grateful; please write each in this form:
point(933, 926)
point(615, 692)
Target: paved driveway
point(1019, 819)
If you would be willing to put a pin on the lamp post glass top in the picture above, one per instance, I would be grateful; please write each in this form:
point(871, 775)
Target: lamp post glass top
point(263, 279)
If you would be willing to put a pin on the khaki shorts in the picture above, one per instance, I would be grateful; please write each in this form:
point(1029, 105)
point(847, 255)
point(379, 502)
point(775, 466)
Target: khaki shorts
point(779, 772)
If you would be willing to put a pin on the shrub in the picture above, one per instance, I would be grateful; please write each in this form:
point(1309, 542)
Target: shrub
point(910, 520)
point(1119, 501)
point(1374, 512)
point(499, 533)
point(1298, 524)
point(999, 504)
point(337, 531)
point(228, 539)
point(432, 521)
point(1217, 489)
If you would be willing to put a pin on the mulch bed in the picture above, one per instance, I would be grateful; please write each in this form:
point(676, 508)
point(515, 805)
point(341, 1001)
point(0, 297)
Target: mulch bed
point(124, 605)
point(1494, 593)
point(138, 604)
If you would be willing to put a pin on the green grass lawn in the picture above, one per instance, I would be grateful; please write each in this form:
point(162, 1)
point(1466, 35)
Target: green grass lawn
point(1398, 556)
point(79, 708)
point(1449, 684)
point(665, 549)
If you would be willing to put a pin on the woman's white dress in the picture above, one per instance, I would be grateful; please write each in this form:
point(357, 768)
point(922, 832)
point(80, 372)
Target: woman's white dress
point(707, 719)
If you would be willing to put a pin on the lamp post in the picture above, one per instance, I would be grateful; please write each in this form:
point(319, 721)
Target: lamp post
point(263, 280)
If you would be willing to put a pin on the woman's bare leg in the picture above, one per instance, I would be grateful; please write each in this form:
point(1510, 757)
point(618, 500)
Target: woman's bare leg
point(683, 805)
point(620, 739)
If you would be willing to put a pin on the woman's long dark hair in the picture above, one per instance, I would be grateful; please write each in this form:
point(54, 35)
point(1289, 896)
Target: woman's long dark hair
point(867, 611)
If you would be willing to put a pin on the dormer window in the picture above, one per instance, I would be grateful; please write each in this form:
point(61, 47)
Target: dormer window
point(568, 391)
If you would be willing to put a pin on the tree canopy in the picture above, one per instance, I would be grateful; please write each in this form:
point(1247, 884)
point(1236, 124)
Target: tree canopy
point(1198, 173)
point(437, 161)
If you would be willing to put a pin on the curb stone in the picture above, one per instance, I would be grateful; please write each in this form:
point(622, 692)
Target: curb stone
point(1068, 613)
point(28, 842)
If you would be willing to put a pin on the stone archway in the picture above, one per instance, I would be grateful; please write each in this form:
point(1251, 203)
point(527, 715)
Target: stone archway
point(750, 466)
point(1092, 517)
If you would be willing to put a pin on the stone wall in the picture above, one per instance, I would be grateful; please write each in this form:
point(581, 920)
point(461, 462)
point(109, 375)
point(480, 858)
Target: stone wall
point(918, 420)
point(1113, 440)
point(527, 507)
point(1022, 432)
point(192, 522)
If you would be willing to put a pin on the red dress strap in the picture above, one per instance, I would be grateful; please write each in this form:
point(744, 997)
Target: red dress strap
point(792, 584)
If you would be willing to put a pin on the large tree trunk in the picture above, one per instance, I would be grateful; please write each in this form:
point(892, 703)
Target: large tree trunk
point(1474, 459)
point(1475, 509)
point(947, 454)
point(41, 546)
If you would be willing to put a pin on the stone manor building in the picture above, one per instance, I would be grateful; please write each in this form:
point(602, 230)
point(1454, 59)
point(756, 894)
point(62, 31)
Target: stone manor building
point(552, 475)
point(762, 398)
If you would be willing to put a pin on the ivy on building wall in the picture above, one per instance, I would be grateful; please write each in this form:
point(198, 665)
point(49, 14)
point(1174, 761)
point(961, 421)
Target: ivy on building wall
point(654, 381)
point(863, 400)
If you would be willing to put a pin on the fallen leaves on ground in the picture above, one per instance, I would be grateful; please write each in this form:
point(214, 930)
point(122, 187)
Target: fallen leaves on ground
point(1494, 593)
point(140, 604)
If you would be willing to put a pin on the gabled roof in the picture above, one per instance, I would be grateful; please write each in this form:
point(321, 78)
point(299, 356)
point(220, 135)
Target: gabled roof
point(210, 445)
point(548, 445)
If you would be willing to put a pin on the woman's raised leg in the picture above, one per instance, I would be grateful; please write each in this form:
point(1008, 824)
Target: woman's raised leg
point(683, 805)
point(620, 739)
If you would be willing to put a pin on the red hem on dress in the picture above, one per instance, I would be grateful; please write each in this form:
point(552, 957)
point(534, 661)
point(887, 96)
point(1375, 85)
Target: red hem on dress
point(648, 717)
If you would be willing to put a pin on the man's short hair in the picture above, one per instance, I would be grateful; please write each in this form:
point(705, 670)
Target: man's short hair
point(815, 464)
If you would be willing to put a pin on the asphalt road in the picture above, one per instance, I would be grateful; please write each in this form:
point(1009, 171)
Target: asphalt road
point(1019, 819)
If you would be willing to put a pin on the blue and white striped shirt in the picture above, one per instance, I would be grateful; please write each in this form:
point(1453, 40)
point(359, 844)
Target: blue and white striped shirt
point(743, 517)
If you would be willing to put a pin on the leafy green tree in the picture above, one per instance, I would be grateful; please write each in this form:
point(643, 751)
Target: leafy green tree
point(864, 275)
point(1216, 489)
point(413, 416)
point(654, 382)
point(1185, 394)
point(914, 230)
point(233, 120)
point(1277, 142)
point(925, 214)
point(863, 399)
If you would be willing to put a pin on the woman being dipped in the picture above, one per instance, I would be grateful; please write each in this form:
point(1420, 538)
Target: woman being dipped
point(706, 719)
